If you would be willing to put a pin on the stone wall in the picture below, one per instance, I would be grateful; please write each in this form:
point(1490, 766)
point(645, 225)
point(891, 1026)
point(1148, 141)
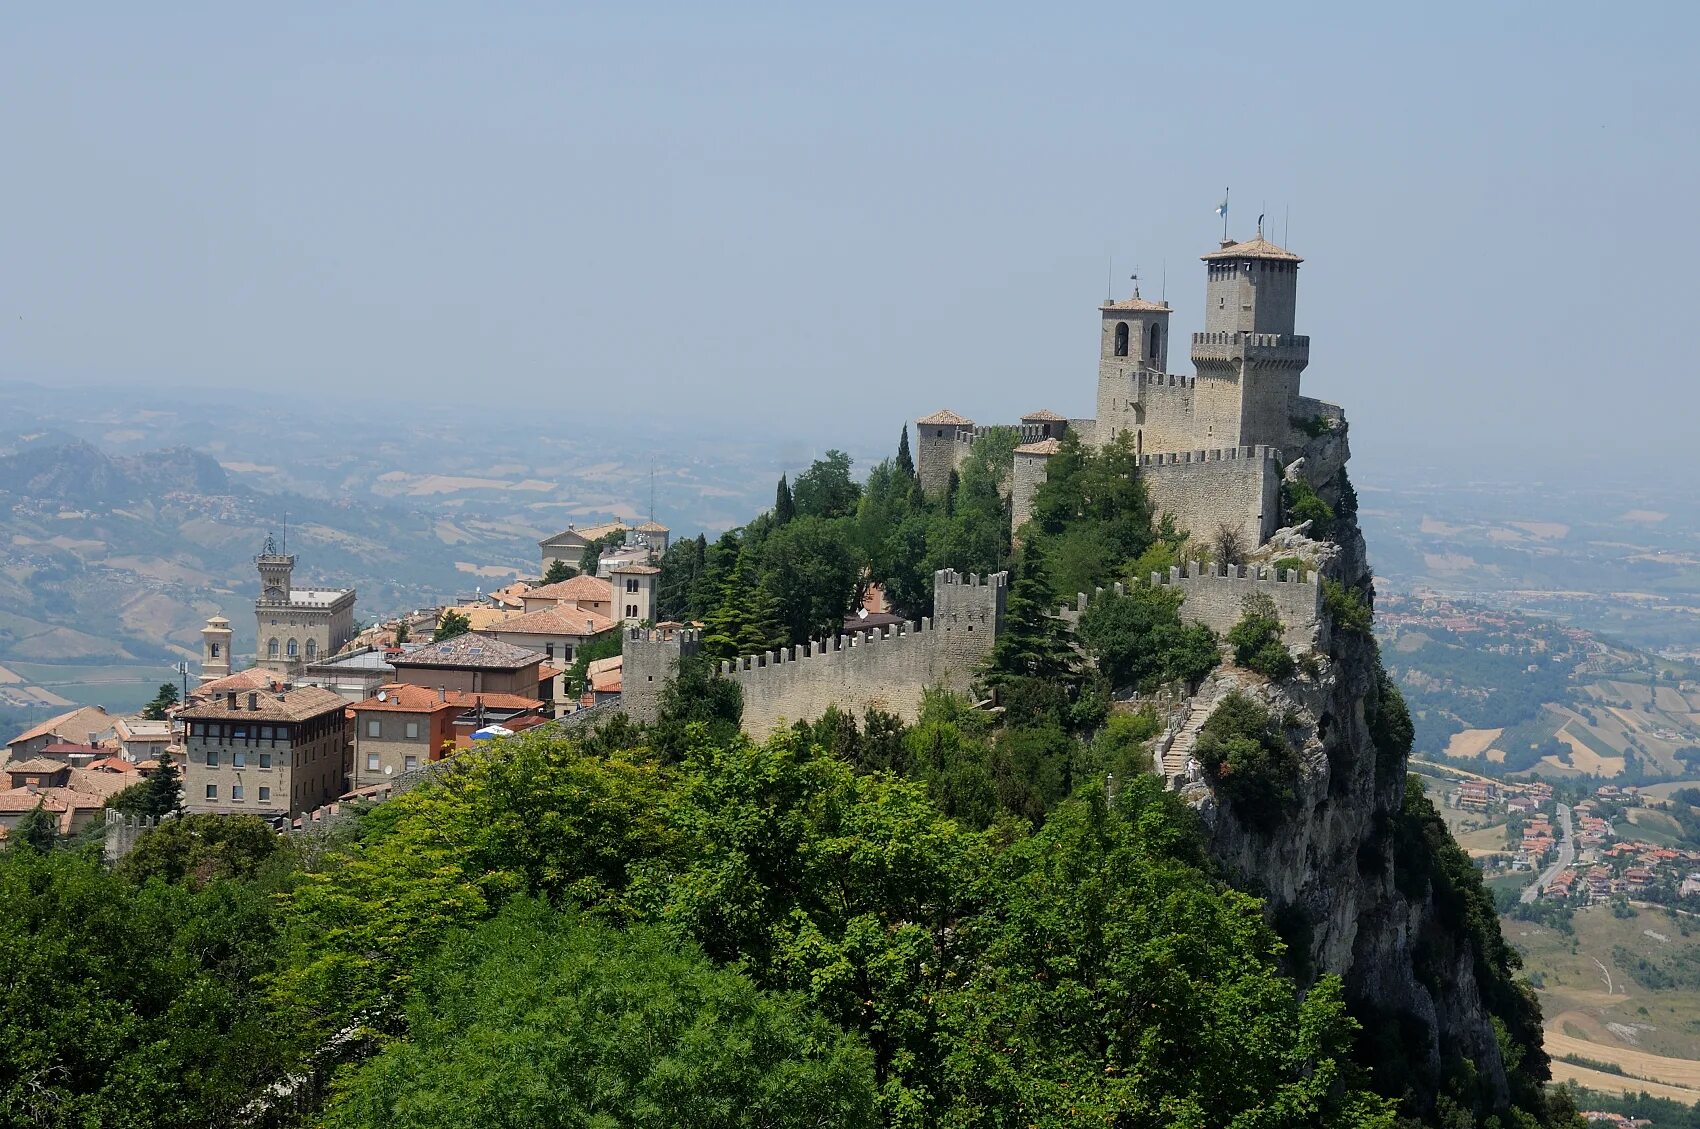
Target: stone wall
point(1031, 467)
point(885, 670)
point(1236, 487)
point(1216, 594)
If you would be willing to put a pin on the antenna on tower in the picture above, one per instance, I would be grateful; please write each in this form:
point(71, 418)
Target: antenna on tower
point(652, 489)
point(1165, 290)
point(286, 533)
point(1135, 277)
point(1109, 275)
point(1287, 226)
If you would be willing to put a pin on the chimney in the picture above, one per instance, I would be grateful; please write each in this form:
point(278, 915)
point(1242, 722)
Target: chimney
point(253, 699)
point(442, 693)
point(230, 699)
point(590, 627)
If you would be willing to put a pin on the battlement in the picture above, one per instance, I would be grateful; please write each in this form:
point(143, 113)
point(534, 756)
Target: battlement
point(1215, 596)
point(1253, 340)
point(664, 634)
point(1214, 455)
point(886, 669)
point(1152, 379)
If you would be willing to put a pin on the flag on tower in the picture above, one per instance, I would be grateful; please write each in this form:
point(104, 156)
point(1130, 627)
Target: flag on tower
point(1222, 208)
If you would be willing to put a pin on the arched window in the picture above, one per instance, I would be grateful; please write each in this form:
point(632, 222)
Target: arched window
point(294, 649)
point(1121, 339)
point(271, 648)
point(1156, 342)
point(312, 649)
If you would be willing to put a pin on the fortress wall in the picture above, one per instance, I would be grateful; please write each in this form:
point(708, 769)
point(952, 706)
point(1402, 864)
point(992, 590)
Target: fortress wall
point(1027, 477)
point(649, 659)
point(1237, 487)
point(1215, 597)
point(887, 670)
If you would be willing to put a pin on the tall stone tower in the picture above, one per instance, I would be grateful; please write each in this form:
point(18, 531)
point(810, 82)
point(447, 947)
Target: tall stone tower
point(942, 440)
point(1133, 342)
point(215, 649)
point(1248, 359)
point(275, 568)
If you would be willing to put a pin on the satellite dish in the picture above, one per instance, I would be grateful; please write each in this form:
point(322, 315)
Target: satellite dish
point(389, 769)
point(383, 695)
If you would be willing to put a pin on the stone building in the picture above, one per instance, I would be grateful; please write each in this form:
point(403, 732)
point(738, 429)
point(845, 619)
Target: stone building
point(402, 727)
point(475, 663)
point(1209, 444)
point(296, 626)
point(273, 755)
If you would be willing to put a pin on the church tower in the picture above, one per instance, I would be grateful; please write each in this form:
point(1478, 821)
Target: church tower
point(1248, 358)
point(215, 649)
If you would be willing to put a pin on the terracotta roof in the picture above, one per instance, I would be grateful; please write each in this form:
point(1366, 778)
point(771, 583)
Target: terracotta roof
point(292, 705)
point(39, 764)
point(597, 666)
point(606, 681)
point(653, 527)
point(546, 671)
point(254, 678)
point(1042, 447)
point(111, 764)
point(480, 616)
point(64, 723)
point(1259, 248)
point(591, 588)
point(25, 799)
point(562, 619)
point(592, 532)
point(70, 748)
point(141, 729)
point(944, 415)
point(1137, 304)
point(472, 651)
point(1044, 414)
point(640, 569)
point(402, 697)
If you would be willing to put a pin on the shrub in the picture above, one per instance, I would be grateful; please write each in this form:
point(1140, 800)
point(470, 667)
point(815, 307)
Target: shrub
point(1314, 426)
point(1249, 761)
point(1347, 609)
point(1300, 503)
point(1291, 564)
point(1256, 639)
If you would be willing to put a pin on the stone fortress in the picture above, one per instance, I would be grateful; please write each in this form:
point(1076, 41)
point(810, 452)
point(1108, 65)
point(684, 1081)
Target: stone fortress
point(1212, 448)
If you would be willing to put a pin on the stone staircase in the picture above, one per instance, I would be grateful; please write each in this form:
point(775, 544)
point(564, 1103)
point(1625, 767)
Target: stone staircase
point(1176, 748)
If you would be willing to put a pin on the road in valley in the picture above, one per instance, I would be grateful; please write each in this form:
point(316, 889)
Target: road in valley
point(1566, 856)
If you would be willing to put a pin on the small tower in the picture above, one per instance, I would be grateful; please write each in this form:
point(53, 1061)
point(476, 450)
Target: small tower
point(943, 439)
point(1133, 342)
point(215, 649)
point(275, 568)
point(634, 592)
point(1248, 358)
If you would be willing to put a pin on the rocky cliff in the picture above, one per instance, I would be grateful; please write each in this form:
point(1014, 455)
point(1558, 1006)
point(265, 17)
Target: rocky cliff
point(1359, 882)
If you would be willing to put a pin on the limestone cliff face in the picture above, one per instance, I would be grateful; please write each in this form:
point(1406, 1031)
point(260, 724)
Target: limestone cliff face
point(1328, 869)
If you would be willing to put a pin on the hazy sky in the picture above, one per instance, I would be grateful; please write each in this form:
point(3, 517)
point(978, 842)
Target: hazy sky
point(819, 219)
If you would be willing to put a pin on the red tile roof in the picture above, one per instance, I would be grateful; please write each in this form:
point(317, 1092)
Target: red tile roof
point(1259, 248)
point(562, 619)
point(943, 416)
point(587, 588)
point(406, 698)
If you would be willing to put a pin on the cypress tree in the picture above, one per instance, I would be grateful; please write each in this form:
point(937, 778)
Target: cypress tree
point(905, 461)
point(1033, 643)
point(784, 506)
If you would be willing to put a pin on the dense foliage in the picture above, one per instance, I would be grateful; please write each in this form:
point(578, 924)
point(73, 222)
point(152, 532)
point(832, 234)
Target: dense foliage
point(1257, 639)
point(1245, 753)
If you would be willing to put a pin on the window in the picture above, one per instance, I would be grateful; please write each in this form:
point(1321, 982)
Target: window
point(214, 651)
point(549, 651)
point(631, 611)
point(631, 584)
point(265, 733)
point(312, 649)
point(265, 760)
point(1121, 339)
point(294, 648)
point(212, 791)
point(239, 759)
point(412, 729)
point(1221, 303)
point(236, 791)
point(371, 762)
point(271, 647)
point(410, 763)
point(199, 729)
point(374, 728)
point(265, 793)
point(1156, 341)
point(212, 758)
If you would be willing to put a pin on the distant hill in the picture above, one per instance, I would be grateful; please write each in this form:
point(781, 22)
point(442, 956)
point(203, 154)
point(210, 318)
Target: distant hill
point(79, 474)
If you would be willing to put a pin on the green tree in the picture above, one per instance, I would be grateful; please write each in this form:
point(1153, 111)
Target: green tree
point(558, 571)
point(905, 460)
point(784, 506)
point(202, 848)
point(1300, 503)
point(1258, 641)
point(603, 646)
point(1138, 639)
point(1249, 760)
point(826, 488)
point(546, 1020)
point(38, 830)
point(1032, 643)
point(697, 705)
point(156, 710)
point(808, 570)
point(450, 624)
point(591, 558)
point(402, 632)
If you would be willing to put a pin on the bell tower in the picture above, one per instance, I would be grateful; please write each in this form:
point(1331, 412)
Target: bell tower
point(275, 569)
point(215, 649)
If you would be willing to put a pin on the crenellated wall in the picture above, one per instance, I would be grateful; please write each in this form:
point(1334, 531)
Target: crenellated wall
point(886, 670)
point(1236, 487)
point(1216, 595)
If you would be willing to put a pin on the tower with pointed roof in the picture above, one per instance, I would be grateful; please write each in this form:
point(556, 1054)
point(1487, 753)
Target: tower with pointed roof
point(1247, 357)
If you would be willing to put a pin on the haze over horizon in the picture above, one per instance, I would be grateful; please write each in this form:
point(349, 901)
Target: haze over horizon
point(805, 222)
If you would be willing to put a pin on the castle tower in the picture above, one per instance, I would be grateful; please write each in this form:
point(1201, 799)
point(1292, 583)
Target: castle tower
point(650, 660)
point(275, 571)
point(1133, 343)
point(1248, 359)
point(215, 649)
point(942, 442)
